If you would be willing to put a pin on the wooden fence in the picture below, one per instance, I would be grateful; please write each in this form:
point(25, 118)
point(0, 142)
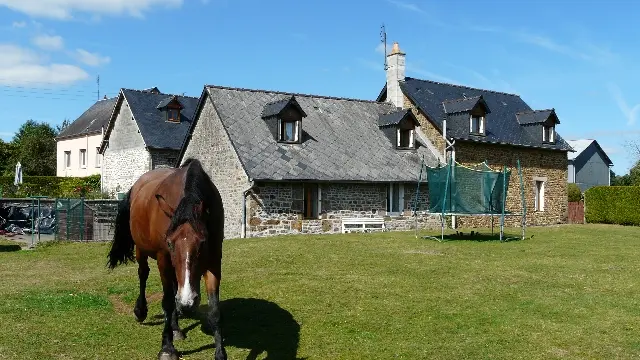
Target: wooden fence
point(576, 212)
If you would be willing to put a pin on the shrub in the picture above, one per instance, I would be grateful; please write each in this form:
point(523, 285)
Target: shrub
point(613, 205)
point(574, 192)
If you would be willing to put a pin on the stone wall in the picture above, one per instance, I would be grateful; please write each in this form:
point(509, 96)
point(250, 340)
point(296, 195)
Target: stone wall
point(163, 158)
point(274, 208)
point(430, 131)
point(125, 158)
point(210, 144)
point(550, 166)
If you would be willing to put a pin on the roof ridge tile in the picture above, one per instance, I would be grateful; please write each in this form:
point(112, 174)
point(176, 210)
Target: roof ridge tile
point(292, 93)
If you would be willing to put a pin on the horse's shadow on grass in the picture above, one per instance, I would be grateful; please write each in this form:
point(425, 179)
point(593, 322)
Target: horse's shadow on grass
point(258, 325)
point(9, 248)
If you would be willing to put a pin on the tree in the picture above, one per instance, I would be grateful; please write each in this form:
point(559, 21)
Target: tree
point(60, 128)
point(6, 156)
point(34, 145)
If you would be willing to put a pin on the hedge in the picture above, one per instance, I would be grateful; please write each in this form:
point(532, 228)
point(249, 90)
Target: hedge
point(52, 187)
point(613, 205)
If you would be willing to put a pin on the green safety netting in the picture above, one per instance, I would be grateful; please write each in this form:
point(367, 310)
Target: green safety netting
point(458, 189)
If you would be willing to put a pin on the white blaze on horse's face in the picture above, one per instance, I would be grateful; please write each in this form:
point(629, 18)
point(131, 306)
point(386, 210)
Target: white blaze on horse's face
point(186, 297)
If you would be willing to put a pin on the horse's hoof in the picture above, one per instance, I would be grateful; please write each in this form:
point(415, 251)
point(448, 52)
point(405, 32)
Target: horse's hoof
point(178, 335)
point(163, 355)
point(141, 314)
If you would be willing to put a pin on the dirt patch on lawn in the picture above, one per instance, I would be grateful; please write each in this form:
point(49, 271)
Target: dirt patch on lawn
point(424, 252)
point(123, 308)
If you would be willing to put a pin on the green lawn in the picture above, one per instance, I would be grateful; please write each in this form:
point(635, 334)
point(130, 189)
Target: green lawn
point(570, 292)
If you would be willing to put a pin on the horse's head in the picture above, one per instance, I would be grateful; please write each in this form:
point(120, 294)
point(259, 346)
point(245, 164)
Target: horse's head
point(185, 239)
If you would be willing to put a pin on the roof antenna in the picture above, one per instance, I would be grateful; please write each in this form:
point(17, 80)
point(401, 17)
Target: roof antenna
point(98, 82)
point(383, 38)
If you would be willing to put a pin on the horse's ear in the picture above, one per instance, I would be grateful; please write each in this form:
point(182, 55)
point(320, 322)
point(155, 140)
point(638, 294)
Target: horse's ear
point(166, 208)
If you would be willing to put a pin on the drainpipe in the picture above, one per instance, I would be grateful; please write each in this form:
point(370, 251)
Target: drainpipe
point(244, 208)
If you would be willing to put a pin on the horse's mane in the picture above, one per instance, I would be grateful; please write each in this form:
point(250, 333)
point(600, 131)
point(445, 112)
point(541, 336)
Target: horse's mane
point(197, 187)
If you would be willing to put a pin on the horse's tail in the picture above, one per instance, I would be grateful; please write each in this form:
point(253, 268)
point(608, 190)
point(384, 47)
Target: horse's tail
point(122, 245)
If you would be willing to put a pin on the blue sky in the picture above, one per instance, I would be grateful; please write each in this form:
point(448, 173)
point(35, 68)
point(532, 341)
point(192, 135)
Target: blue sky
point(575, 56)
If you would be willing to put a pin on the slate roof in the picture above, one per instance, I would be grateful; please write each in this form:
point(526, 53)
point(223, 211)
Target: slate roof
point(581, 145)
point(156, 131)
point(91, 121)
point(341, 139)
point(464, 104)
point(166, 101)
point(534, 117)
point(502, 126)
point(392, 118)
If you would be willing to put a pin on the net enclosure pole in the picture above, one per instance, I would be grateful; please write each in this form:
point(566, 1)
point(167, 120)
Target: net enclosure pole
point(504, 200)
point(444, 199)
point(415, 201)
point(524, 204)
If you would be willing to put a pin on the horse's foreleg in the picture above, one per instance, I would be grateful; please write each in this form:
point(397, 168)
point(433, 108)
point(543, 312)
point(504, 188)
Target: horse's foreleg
point(140, 309)
point(212, 280)
point(177, 333)
point(167, 275)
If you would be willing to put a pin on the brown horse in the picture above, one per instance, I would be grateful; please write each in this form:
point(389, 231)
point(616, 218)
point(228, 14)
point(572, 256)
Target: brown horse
point(176, 217)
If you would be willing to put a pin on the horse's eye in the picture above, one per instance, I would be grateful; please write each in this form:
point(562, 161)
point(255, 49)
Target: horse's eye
point(170, 245)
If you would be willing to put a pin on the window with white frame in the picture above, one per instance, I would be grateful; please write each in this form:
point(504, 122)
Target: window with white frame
point(548, 134)
point(476, 124)
point(98, 157)
point(395, 198)
point(289, 130)
point(406, 138)
point(539, 199)
point(83, 158)
point(67, 159)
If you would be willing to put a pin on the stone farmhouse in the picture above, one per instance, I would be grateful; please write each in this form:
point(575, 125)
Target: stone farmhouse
point(145, 131)
point(296, 163)
point(78, 144)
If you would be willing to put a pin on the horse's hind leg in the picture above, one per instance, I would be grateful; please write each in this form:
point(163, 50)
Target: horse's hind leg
point(141, 310)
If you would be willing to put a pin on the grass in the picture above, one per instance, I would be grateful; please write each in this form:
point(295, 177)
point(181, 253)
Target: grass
point(570, 292)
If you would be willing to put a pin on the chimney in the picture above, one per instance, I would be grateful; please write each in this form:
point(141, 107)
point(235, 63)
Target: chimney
point(395, 73)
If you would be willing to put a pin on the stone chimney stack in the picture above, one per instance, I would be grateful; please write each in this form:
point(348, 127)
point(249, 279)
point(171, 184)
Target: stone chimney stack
point(395, 73)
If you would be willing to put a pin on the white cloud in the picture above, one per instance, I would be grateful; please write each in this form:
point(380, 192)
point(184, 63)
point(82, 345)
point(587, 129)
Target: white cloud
point(19, 24)
point(20, 66)
point(631, 113)
point(48, 42)
point(6, 134)
point(430, 75)
point(407, 6)
point(65, 9)
point(91, 59)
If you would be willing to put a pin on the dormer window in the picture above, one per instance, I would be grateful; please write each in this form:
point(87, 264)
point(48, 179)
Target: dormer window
point(400, 127)
point(284, 119)
point(171, 107)
point(548, 134)
point(477, 124)
point(473, 108)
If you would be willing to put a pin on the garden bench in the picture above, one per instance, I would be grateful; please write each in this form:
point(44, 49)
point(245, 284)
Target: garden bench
point(364, 224)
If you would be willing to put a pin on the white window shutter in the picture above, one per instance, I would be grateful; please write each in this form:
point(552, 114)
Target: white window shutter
point(411, 138)
point(398, 137)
